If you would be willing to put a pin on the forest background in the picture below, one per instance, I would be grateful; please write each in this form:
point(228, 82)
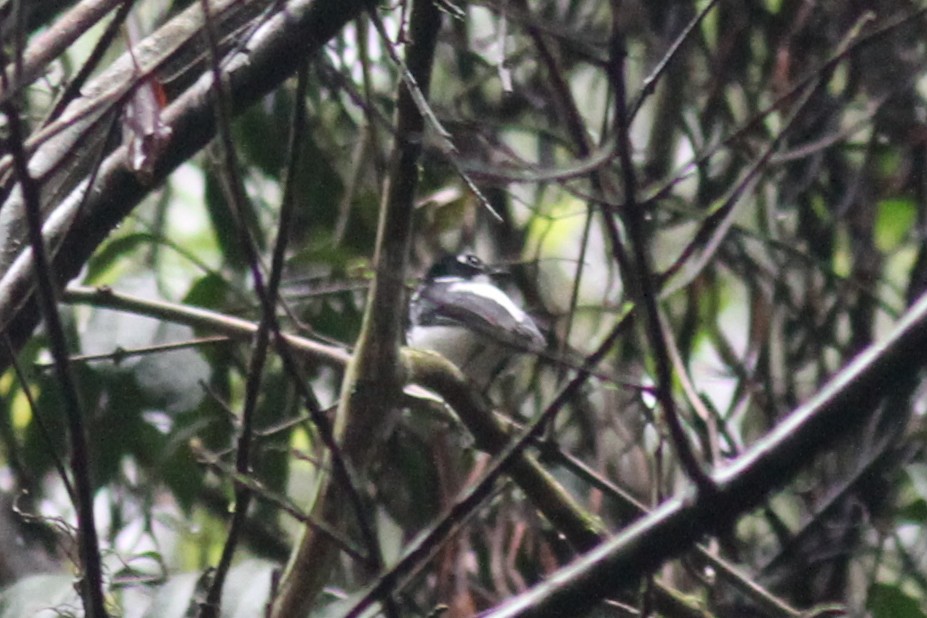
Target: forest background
point(211, 216)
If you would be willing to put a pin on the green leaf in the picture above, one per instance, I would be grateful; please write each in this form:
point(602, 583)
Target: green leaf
point(917, 474)
point(181, 473)
point(106, 262)
point(210, 291)
point(887, 601)
point(224, 225)
point(894, 221)
point(261, 133)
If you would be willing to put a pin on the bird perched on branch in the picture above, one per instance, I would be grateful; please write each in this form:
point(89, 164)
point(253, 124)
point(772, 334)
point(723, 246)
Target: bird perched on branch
point(459, 312)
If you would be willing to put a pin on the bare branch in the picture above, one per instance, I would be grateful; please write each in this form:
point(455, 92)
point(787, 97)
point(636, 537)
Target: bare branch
point(92, 578)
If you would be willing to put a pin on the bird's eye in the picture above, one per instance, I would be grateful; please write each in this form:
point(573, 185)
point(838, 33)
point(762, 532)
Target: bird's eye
point(473, 261)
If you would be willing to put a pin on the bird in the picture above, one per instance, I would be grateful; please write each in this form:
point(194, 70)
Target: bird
point(459, 312)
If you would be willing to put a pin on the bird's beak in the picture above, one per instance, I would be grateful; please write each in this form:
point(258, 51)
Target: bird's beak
point(499, 271)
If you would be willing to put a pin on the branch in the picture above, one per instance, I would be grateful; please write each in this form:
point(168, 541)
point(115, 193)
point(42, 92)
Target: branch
point(78, 225)
point(91, 583)
point(437, 374)
point(839, 409)
point(372, 384)
point(582, 530)
point(569, 519)
point(237, 203)
point(204, 319)
point(54, 41)
point(644, 290)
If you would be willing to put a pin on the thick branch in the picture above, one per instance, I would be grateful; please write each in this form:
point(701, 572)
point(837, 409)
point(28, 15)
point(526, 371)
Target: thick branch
point(372, 383)
point(52, 43)
point(841, 408)
point(80, 223)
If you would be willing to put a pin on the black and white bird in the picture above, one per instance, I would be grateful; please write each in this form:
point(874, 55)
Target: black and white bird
point(460, 313)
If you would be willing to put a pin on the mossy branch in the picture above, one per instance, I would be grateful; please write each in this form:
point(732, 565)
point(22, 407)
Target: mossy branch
point(373, 379)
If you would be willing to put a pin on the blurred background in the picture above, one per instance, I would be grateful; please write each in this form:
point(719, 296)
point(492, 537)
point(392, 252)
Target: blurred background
point(779, 149)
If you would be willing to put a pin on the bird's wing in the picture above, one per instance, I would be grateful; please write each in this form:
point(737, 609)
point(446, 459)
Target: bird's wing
point(483, 309)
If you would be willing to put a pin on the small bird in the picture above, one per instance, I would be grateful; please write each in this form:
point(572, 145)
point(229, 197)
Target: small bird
point(460, 313)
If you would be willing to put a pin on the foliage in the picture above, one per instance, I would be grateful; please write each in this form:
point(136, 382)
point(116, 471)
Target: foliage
point(721, 203)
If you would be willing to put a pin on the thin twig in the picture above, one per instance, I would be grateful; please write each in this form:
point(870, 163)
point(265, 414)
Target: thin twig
point(342, 473)
point(54, 42)
point(718, 223)
point(38, 417)
point(650, 82)
point(372, 384)
point(644, 286)
point(72, 90)
point(280, 501)
point(197, 317)
point(238, 204)
point(120, 354)
point(446, 147)
point(92, 580)
point(602, 184)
